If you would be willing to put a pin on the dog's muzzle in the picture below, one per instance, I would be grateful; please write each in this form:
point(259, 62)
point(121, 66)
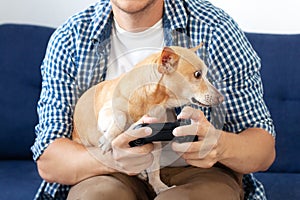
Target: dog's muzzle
point(219, 101)
point(194, 100)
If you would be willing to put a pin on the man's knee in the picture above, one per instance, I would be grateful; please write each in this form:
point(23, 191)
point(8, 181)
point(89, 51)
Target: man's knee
point(173, 193)
point(101, 187)
point(201, 191)
point(196, 183)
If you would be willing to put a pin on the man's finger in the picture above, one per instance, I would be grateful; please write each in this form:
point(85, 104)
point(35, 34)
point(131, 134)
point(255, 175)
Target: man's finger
point(123, 140)
point(186, 147)
point(190, 113)
point(203, 147)
point(185, 130)
point(144, 119)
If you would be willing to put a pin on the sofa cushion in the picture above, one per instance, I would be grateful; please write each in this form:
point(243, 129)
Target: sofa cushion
point(280, 56)
point(19, 180)
point(280, 185)
point(22, 48)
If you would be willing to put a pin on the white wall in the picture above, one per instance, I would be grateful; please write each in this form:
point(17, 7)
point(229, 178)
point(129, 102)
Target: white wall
point(272, 16)
point(40, 12)
point(275, 16)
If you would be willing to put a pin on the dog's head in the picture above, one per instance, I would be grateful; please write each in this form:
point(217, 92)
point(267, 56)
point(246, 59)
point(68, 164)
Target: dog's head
point(184, 73)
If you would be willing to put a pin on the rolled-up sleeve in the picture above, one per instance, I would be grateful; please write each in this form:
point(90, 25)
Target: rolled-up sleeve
point(57, 98)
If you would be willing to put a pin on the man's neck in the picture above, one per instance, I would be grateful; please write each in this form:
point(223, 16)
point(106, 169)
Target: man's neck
point(141, 20)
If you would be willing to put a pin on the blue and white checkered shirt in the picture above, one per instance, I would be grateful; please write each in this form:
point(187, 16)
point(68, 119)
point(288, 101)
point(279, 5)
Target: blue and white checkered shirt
point(77, 57)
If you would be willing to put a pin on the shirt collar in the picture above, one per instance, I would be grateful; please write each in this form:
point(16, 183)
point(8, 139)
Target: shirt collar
point(101, 23)
point(175, 14)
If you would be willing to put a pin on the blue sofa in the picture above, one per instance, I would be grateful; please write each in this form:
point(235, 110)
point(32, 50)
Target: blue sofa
point(22, 48)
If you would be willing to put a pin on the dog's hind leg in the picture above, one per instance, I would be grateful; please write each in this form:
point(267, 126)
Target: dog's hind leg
point(154, 171)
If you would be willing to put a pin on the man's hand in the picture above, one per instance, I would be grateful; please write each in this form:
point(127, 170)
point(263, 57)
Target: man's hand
point(68, 162)
point(250, 151)
point(126, 159)
point(205, 152)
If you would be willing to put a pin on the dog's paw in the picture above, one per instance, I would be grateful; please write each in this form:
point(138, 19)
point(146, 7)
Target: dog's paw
point(143, 175)
point(161, 188)
point(104, 144)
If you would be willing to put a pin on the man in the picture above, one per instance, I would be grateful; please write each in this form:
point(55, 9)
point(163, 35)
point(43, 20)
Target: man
point(82, 52)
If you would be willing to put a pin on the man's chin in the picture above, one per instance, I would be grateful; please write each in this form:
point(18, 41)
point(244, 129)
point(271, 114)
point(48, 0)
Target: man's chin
point(133, 6)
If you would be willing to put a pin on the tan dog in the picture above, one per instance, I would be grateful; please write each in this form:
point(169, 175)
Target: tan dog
point(172, 78)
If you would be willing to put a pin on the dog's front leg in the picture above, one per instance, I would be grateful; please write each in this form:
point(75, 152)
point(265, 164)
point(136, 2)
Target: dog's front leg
point(111, 124)
point(154, 171)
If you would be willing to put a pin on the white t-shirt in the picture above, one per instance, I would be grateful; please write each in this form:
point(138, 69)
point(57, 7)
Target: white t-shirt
point(129, 48)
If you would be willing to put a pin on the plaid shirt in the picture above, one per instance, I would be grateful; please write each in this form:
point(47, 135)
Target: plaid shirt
point(77, 56)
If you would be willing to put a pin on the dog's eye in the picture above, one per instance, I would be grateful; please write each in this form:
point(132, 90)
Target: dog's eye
point(198, 74)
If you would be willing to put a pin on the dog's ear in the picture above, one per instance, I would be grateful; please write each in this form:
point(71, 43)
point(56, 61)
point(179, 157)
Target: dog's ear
point(194, 49)
point(168, 61)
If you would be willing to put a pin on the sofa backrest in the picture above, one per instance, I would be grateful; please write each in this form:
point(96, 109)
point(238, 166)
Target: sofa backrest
point(22, 48)
point(280, 56)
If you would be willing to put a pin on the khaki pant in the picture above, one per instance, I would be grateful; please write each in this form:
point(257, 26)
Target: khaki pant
point(191, 183)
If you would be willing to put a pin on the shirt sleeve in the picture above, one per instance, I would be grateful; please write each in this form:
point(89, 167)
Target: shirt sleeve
point(236, 72)
point(57, 98)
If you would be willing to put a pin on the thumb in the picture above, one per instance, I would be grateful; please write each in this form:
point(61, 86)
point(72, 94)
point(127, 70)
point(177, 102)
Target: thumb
point(145, 119)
